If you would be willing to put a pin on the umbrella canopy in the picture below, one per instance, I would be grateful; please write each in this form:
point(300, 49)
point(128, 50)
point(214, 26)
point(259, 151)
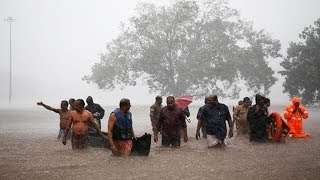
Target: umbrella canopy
point(183, 101)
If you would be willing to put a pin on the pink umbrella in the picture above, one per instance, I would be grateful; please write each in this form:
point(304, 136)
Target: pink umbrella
point(183, 101)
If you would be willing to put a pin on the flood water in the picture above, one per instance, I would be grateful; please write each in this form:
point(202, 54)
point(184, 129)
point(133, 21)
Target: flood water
point(29, 150)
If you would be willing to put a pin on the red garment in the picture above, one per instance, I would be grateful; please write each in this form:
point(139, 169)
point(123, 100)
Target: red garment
point(123, 146)
point(294, 120)
point(171, 121)
point(80, 141)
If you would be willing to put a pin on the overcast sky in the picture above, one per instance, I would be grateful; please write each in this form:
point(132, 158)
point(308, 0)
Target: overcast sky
point(55, 43)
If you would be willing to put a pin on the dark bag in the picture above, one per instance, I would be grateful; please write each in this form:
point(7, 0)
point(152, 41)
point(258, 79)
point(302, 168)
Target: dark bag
point(95, 140)
point(141, 145)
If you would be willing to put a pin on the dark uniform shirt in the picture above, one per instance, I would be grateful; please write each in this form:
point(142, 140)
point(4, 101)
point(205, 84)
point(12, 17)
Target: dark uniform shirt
point(215, 120)
point(95, 108)
point(171, 121)
point(258, 121)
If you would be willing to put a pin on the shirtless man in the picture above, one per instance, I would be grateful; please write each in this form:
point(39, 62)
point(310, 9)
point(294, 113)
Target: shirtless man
point(64, 113)
point(79, 120)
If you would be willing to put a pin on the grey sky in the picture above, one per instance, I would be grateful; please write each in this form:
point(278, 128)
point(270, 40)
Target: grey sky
point(55, 42)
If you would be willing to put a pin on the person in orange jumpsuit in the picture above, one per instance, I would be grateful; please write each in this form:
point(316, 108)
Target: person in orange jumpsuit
point(278, 129)
point(294, 114)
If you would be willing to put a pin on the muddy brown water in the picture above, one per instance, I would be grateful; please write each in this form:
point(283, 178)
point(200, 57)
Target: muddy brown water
point(29, 150)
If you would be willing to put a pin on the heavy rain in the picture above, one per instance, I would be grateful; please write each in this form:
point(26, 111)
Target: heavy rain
point(138, 49)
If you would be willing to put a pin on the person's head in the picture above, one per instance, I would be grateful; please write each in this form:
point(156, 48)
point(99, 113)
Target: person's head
point(206, 100)
point(64, 105)
point(171, 104)
point(260, 100)
point(124, 105)
point(296, 102)
point(213, 99)
point(267, 102)
point(240, 102)
point(159, 100)
point(246, 102)
point(79, 105)
point(89, 100)
point(71, 101)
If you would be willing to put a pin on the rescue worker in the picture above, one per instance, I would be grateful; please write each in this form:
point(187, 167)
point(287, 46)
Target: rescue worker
point(294, 114)
point(278, 129)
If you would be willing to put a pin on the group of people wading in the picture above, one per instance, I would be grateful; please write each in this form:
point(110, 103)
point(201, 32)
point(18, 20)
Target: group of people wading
point(254, 121)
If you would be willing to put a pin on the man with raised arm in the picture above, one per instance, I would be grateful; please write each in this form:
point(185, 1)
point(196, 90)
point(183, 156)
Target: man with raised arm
point(63, 112)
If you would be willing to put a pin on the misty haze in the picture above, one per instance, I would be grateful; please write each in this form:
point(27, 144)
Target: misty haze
point(137, 49)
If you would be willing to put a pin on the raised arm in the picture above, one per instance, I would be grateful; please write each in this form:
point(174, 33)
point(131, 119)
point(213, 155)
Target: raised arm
point(48, 107)
point(304, 112)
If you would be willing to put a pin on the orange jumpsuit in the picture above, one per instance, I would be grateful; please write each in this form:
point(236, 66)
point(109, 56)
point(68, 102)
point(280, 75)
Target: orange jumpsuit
point(294, 120)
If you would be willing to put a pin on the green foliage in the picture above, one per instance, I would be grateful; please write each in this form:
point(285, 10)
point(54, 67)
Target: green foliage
point(302, 66)
point(188, 47)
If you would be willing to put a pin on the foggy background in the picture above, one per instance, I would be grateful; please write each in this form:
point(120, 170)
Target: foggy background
point(55, 43)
